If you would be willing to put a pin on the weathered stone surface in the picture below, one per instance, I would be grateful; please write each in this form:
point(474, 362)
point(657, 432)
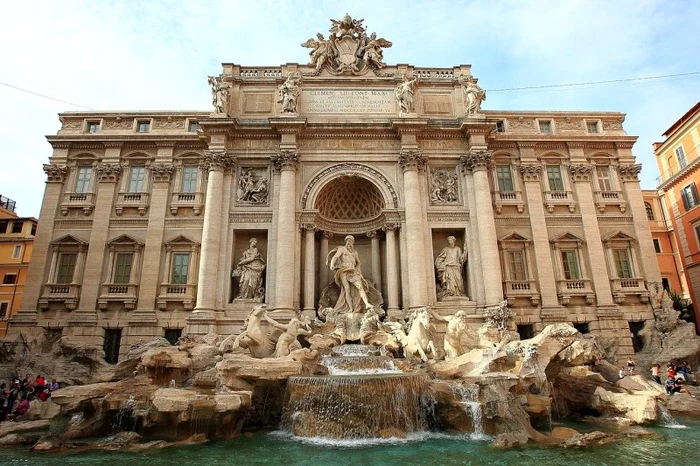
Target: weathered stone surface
point(563, 433)
point(235, 367)
point(7, 428)
point(50, 442)
point(16, 439)
point(173, 400)
point(170, 357)
point(70, 398)
point(226, 402)
point(681, 403)
point(589, 439)
point(204, 356)
point(43, 410)
point(639, 407)
point(510, 439)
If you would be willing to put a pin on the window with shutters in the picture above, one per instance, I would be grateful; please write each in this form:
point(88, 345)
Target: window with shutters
point(122, 267)
point(689, 196)
point(66, 267)
point(122, 274)
point(65, 273)
point(516, 264)
point(178, 290)
point(622, 263)
point(189, 179)
point(505, 178)
point(570, 265)
point(649, 210)
point(604, 180)
point(680, 155)
point(181, 265)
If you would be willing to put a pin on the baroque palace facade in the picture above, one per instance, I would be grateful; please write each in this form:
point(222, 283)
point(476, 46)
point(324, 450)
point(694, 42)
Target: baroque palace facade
point(170, 223)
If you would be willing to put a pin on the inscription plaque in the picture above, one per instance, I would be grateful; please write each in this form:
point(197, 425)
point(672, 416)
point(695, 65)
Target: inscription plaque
point(348, 101)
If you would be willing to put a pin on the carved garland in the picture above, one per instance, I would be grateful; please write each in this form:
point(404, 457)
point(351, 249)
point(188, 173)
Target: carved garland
point(349, 167)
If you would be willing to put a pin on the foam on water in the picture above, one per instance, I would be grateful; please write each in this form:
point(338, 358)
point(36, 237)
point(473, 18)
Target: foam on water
point(361, 443)
point(667, 420)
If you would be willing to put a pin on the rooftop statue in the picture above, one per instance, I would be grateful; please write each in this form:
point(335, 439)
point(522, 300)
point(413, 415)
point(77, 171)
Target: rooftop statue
point(473, 95)
point(289, 92)
point(404, 95)
point(348, 49)
point(219, 93)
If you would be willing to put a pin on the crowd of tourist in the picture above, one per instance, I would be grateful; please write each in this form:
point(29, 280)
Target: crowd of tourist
point(676, 376)
point(16, 394)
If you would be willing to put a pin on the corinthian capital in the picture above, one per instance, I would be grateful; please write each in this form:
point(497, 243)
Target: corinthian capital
point(285, 160)
point(108, 171)
point(630, 172)
point(55, 173)
point(581, 171)
point(218, 160)
point(475, 160)
point(531, 171)
point(161, 171)
point(411, 159)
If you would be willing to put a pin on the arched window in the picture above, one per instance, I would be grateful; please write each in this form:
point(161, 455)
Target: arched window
point(650, 211)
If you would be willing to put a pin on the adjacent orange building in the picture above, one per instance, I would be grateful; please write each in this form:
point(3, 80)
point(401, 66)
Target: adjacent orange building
point(679, 163)
point(16, 241)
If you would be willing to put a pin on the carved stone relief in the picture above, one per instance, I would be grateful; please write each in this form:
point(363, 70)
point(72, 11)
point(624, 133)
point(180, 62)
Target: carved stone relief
point(443, 186)
point(253, 185)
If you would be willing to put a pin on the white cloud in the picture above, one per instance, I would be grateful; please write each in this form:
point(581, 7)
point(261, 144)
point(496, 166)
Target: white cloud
point(157, 54)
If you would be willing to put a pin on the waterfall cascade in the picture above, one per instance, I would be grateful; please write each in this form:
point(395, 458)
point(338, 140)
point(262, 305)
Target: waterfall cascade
point(667, 420)
point(364, 396)
point(469, 396)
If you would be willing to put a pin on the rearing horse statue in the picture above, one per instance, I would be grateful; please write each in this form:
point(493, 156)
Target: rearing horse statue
point(418, 342)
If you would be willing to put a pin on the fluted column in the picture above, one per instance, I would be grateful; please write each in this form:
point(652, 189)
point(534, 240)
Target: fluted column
point(217, 161)
point(479, 161)
point(413, 162)
point(376, 260)
point(392, 276)
point(309, 270)
point(286, 162)
point(323, 254)
point(476, 274)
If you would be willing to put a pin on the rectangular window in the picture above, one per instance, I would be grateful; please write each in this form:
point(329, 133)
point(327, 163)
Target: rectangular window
point(33, 232)
point(17, 226)
point(192, 126)
point(172, 335)
point(604, 181)
point(526, 331)
point(93, 127)
point(143, 126)
point(665, 284)
point(3, 226)
point(689, 195)
point(189, 179)
point(112, 342)
point(569, 259)
point(592, 127)
point(697, 232)
point(181, 265)
point(122, 267)
point(545, 126)
point(500, 126)
point(505, 178)
point(3, 310)
point(657, 245)
point(82, 180)
point(136, 177)
point(556, 183)
point(66, 266)
point(9, 279)
point(680, 155)
point(516, 265)
point(17, 251)
point(622, 263)
point(582, 327)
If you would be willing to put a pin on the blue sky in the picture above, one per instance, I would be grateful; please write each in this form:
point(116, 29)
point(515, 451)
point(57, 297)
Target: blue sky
point(156, 55)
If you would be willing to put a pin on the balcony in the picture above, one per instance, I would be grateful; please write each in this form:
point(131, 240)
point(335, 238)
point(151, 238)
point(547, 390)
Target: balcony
point(194, 201)
point(610, 198)
point(555, 198)
point(508, 198)
point(85, 201)
point(137, 201)
point(522, 289)
point(570, 288)
point(66, 293)
point(174, 293)
point(125, 293)
point(624, 287)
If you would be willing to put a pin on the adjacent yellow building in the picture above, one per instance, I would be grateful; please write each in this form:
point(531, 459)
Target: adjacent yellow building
point(16, 241)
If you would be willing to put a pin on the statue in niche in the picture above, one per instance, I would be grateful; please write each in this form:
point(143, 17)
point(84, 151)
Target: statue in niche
point(404, 95)
point(449, 270)
point(456, 329)
point(289, 92)
point(219, 94)
point(348, 276)
point(322, 51)
point(252, 188)
point(443, 186)
point(253, 337)
point(287, 341)
point(249, 271)
point(473, 95)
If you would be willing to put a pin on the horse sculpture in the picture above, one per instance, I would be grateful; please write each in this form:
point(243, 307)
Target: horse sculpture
point(418, 342)
point(254, 338)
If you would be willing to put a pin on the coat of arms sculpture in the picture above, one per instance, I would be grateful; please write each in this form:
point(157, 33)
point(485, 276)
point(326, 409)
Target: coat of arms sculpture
point(348, 49)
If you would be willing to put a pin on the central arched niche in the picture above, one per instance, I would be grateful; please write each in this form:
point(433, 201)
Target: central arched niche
point(350, 204)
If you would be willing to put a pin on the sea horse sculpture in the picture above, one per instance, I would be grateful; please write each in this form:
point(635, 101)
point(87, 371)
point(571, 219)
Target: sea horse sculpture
point(253, 338)
point(418, 341)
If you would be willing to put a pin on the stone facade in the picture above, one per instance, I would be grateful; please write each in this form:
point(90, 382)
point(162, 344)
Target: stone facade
point(147, 216)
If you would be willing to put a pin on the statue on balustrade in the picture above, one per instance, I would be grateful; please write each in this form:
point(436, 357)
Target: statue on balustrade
point(249, 271)
point(449, 270)
point(404, 95)
point(473, 95)
point(219, 93)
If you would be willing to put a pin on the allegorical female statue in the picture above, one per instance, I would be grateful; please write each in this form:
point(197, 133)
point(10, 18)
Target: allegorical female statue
point(249, 271)
point(449, 269)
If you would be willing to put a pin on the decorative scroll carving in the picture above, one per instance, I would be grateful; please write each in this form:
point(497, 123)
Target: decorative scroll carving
point(581, 171)
point(630, 172)
point(350, 168)
point(569, 124)
point(72, 124)
point(521, 123)
point(285, 160)
point(443, 186)
point(119, 123)
point(476, 159)
point(348, 50)
point(219, 93)
point(531, 171)
point(218, 160)
point(253, 186)
point(411, 159)
point(55, 173)
point(161, 172)
point(108, 172)
point(289, 92)
point(169, 123)
point(612, 125)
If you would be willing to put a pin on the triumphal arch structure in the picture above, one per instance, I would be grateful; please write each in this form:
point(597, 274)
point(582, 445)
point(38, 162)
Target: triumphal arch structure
point(342, 179)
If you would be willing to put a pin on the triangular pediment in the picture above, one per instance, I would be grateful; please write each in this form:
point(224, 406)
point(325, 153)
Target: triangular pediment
point(69, 239)
point(567, 237)
point(123, 239)
point(618, 236)
point(514, 237)
point(180, 239)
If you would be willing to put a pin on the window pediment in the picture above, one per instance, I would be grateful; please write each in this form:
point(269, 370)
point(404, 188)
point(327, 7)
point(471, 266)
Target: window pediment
point(568, 238)
point(69, 240)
